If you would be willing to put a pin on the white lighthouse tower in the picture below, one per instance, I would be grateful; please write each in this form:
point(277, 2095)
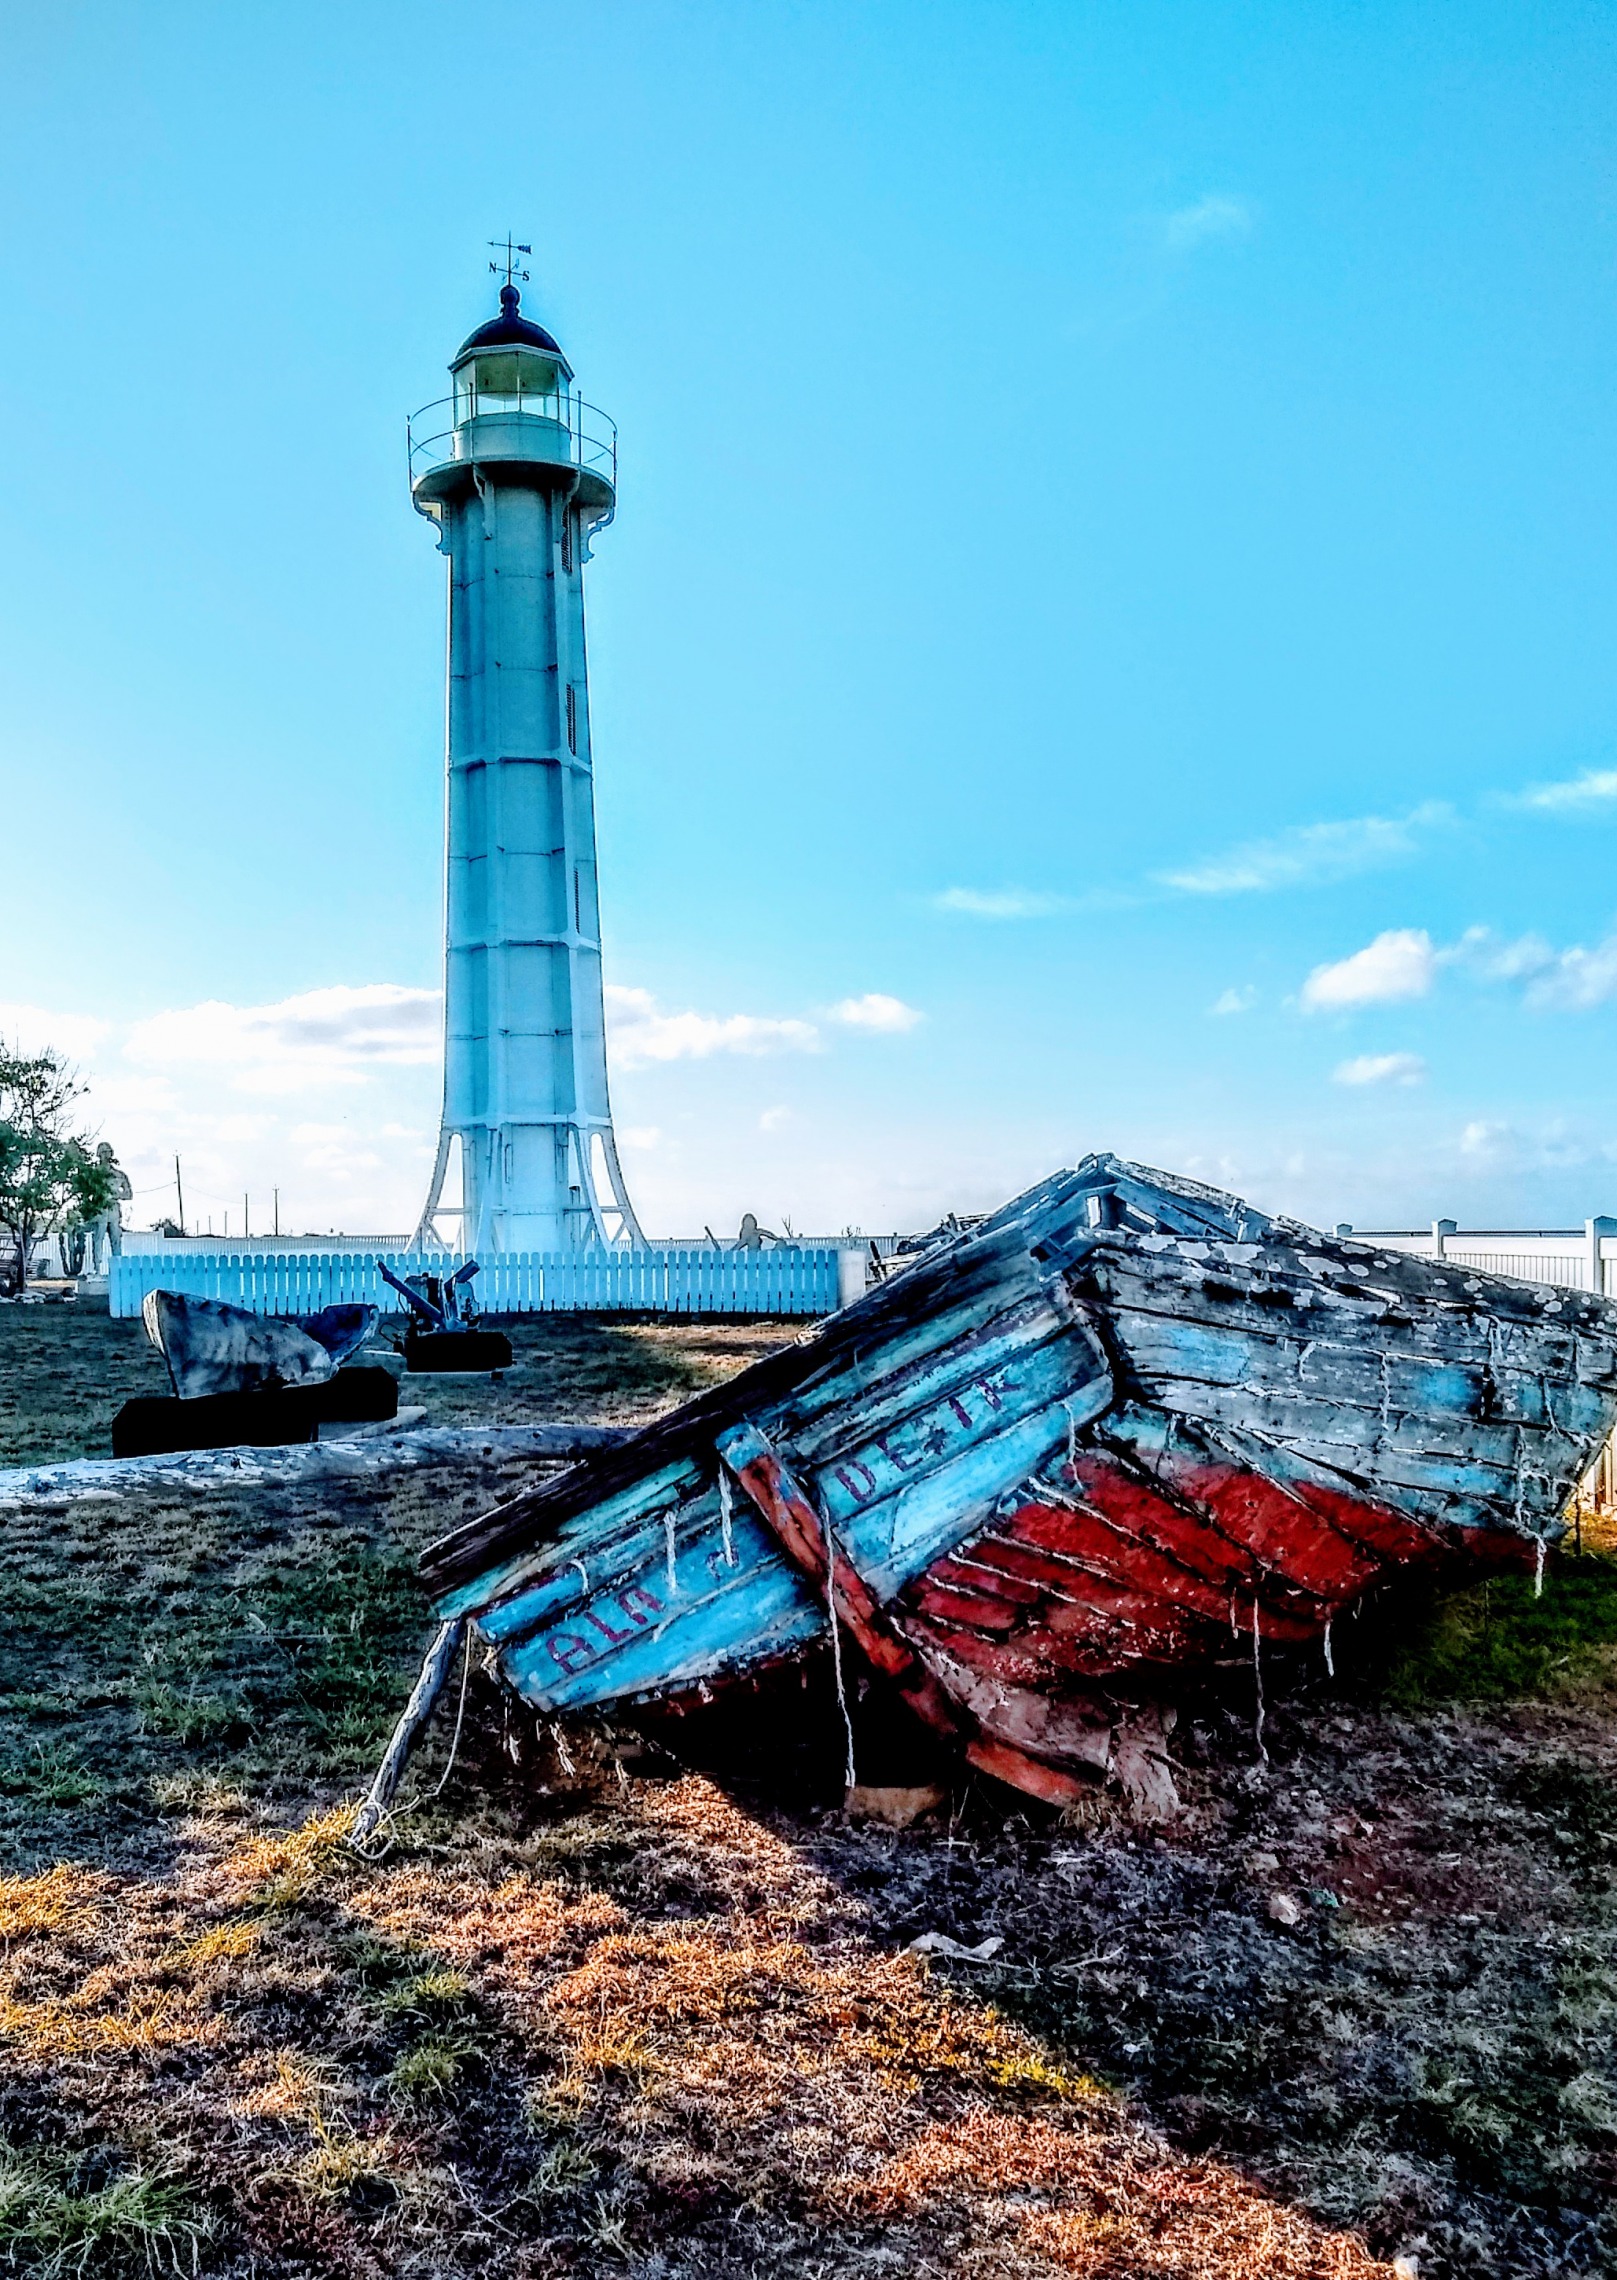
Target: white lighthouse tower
point(518, 472)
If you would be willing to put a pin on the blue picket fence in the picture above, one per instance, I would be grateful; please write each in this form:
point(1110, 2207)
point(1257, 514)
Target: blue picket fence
point(518, 1282)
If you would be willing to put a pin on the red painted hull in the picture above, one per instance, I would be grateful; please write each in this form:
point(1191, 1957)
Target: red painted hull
point(1037, 1624)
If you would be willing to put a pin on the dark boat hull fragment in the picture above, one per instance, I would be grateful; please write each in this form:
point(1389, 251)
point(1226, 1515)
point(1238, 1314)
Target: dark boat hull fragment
point(475, 1351)
point(155, 1425)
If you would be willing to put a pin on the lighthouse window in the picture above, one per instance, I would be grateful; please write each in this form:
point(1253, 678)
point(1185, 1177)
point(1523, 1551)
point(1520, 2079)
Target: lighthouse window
point(567, 540)
point(572, 718)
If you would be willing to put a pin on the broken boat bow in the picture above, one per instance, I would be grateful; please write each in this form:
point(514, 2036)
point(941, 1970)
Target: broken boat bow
point(1051, 1465)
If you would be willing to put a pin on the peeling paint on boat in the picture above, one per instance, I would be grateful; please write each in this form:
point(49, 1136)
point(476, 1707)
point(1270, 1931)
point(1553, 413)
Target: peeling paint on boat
point(1059, 1458)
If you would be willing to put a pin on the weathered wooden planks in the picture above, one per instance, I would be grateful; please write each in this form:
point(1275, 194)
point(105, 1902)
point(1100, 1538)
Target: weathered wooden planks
point(1061, 1457)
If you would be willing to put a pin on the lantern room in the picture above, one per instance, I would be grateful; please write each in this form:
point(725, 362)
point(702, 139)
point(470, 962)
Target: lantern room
point(510, 365)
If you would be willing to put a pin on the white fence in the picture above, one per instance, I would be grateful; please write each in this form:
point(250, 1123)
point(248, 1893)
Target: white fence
point(1571, 1258)
point(1563, 1268)
point(518, 1282)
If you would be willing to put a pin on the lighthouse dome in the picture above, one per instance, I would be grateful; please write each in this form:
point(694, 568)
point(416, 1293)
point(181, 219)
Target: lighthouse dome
point(510, 329)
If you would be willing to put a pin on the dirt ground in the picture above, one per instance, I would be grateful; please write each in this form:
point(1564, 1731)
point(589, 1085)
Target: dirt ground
point(645, 2001)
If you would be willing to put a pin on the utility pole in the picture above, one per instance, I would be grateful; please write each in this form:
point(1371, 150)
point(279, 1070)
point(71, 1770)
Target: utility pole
point(179, 1193)
point(245, 1228)
point(277, 1194)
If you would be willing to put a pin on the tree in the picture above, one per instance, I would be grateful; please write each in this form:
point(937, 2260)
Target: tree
point(49, 1175)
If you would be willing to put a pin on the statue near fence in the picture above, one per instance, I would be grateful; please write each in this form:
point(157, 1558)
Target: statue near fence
point(108, 1223)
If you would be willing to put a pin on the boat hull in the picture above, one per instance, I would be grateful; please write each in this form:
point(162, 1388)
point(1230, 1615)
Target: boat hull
point(1055, 1465)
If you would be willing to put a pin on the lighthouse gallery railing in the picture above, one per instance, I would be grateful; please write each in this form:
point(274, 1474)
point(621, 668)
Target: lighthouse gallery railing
point(566, 430)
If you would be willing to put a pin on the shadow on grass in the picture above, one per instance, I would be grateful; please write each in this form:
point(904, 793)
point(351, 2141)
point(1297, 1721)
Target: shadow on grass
point(1425, 2051)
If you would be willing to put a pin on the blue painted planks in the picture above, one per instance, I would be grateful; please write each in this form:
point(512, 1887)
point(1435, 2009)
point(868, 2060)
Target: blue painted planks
point(662, 1602)
point(598, 1532)
point(642, 1592)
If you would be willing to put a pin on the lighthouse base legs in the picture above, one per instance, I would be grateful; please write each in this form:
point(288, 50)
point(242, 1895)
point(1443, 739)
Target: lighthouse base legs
point(544, 1187)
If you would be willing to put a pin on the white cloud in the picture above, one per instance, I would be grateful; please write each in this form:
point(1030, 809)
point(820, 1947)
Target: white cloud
point(875, 1011)
point(340, 1156)
point(31, 1029)
point(774, 1119)
point(1595, 788)
point(248, 1098)
point(1235, 1001)
point(1004, 902)
point(119, 1093)
point(1214, 216)
point(1405, 962)
point(1380, 1069)
point(1309, 855)
point(1482, 954)
point(1401, 963)
point(1488, 1141)
point(640, 1032)
point(1576, 979)
point(318, 1038)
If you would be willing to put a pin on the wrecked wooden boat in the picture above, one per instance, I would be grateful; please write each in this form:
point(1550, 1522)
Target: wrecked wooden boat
point(251, 1380)
point(1049, 1467)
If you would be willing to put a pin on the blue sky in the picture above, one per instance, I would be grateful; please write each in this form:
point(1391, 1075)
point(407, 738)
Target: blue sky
point(1114, 563)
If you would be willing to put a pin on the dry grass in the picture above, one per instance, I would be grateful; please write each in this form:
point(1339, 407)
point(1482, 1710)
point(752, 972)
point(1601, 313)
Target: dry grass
point(644, 2026)
point(79, 2026)
point(763, 2069)
point(65, 1899)
point(226, 1942)
point(338, 2163)
point(283, 1866)
point(814, 2065)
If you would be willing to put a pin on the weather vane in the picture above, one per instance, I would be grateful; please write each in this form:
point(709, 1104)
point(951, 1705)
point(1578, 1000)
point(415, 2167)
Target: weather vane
point(508, 246)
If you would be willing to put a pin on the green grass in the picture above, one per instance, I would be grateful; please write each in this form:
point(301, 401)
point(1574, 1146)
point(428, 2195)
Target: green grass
point(1500, 1640)
point(437, 2006)
point(49, 1773)
point(333, 1623)
point(267, 1641)
point(429, 2070)
point(55, 2218)
point(188, 1717)
point(427, 1995)
point(565, 2167)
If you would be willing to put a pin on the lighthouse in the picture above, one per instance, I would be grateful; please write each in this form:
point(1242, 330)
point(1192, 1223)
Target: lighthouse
point(517, 474)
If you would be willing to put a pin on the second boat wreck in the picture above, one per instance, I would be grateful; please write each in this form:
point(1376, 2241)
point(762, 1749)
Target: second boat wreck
point(1048, 1468)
